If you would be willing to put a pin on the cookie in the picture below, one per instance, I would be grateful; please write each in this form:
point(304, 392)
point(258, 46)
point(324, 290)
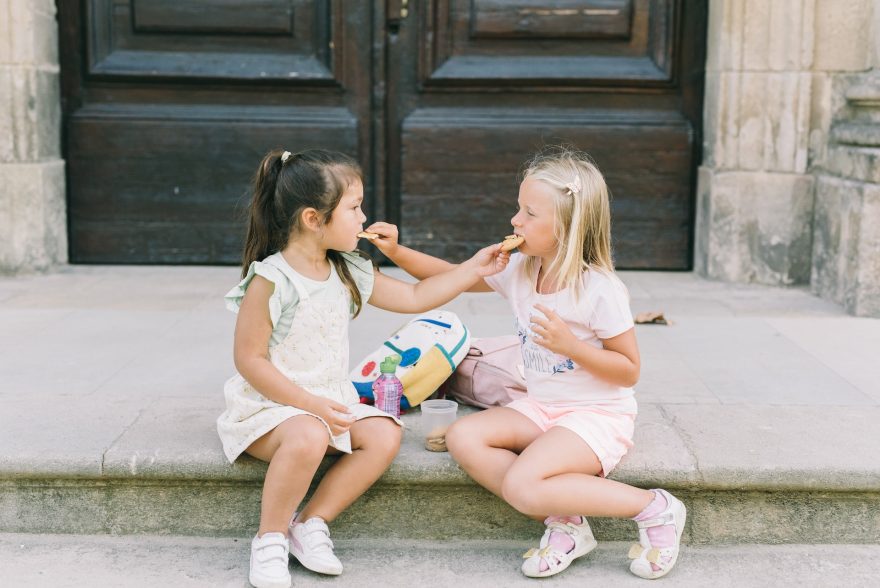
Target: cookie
point(511, 242)
point(366, 235)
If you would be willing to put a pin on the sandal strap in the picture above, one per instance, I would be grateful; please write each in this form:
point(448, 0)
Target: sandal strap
point(549, 554)
point(562, 527)
point(653, 555)
point(664, 519)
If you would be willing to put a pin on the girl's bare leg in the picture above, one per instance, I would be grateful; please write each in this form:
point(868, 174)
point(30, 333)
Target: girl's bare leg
point(375, 442)
point(294, 450)
point(486, 444)
point(557, 474)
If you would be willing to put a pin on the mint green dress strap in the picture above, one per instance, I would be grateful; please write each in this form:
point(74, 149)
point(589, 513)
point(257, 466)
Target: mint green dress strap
point(281, 303)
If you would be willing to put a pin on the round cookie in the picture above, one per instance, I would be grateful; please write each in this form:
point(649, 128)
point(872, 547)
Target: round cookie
point(511, 242)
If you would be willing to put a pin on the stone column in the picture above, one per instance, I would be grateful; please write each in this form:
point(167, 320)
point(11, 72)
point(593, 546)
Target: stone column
point(33, 233)
point(846, 225)
point(755, 193)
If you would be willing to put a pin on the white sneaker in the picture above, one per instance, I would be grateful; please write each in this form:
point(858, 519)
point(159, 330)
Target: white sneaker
point(644, 554)
point(556, 560)
point(310, 543)
point(269, 561)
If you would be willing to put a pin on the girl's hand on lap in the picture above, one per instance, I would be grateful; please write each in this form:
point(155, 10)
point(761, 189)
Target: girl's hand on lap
point(388, 236)
point(334, 414)
point(552, 332)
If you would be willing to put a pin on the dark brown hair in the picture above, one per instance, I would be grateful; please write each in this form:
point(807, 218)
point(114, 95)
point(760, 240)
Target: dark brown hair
point(314, 178)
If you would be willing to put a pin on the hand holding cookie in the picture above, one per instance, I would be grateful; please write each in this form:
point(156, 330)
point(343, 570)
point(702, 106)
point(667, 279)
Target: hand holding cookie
point(385, 238)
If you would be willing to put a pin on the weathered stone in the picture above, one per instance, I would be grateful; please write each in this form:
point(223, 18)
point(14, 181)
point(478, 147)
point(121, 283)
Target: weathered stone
point(820, 117)
point(856, 163)
point(755, 227)
point(757, 36)
point(843, 35)
point(757, 121)
point(431, 512)
point(29, 33)
point(861, 134)
point(846, 242)
point(31, 120)
point(33, 230)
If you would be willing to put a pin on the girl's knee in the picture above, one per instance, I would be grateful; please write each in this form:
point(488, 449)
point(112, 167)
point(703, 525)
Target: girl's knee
point(518, 491)
point(381, 435)
point(305, 443)
point(460, 436)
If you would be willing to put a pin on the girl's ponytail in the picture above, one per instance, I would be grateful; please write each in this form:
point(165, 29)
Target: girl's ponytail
point(263, 226)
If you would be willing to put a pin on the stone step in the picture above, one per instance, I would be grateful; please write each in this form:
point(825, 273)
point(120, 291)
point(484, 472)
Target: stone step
point(79, 561)
point(757, 475)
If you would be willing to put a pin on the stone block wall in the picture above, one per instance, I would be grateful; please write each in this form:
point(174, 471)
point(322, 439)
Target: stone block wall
point(846, 223)
point(33, 233)
point(776, 92)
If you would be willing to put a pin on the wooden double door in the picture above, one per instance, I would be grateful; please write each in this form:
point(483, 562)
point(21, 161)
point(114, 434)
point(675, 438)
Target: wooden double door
point(170, 104)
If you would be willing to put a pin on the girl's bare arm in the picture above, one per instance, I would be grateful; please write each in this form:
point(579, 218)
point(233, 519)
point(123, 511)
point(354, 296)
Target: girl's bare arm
point(417, 264)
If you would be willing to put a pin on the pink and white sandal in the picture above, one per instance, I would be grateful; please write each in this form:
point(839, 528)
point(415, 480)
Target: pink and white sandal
point(555, 559)
point(644, 554)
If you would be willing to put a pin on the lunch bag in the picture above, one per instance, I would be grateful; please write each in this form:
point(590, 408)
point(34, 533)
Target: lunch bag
point(430, 347)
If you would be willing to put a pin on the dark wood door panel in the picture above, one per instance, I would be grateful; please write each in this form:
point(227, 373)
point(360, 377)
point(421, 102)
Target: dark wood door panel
point(460, 184)
point(520, 44)
point(249, 40)
point(170, 105)
point(478, 86)
point(151, 189)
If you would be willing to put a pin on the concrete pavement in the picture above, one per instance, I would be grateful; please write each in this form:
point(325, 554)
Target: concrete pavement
point(114, 375)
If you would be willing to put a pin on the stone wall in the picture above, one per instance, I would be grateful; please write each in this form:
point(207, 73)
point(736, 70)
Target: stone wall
point(782, 196)
point(846, 223)
point(33, 223)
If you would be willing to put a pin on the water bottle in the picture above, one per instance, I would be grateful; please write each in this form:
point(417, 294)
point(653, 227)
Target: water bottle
point(387, 389)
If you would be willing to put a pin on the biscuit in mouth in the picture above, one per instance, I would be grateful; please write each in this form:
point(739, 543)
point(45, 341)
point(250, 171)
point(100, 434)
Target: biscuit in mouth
point(366, 235)
point(511, 242)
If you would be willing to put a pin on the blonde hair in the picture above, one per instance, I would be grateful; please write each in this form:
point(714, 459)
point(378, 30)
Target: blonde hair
point(583, 215)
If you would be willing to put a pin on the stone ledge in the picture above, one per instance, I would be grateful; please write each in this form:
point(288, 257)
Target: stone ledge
point(860, 134)
point(677, 446)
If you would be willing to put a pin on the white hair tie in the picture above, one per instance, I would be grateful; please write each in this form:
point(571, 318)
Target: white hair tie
point(285, 156)
point(574, 187)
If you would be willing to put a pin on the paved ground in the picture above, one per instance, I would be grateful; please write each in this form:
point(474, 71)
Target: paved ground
point(109, 367)
point(77, 561)
point(118, 371)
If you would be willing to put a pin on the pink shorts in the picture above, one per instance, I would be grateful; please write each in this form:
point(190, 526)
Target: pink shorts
point(608, 434)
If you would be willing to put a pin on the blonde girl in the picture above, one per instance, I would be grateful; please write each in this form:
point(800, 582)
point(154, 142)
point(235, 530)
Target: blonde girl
point(291, 402)
point(548, 454)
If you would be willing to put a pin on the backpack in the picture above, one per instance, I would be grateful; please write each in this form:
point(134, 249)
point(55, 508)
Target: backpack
point(430, 346)
point(490, 374)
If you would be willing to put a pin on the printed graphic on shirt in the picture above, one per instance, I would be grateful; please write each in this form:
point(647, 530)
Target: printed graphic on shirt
point(540, 359)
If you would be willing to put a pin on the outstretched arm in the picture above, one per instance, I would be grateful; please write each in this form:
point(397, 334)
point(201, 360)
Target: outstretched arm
point(417, 264)
point(397, 296)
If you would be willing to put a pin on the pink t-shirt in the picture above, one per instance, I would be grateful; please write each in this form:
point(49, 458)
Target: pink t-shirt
point(602, 312)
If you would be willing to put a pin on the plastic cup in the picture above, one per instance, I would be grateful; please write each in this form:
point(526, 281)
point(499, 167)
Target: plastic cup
point(437, 415)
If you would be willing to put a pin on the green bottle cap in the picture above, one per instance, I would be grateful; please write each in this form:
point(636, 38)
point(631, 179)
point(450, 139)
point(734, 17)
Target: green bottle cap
point(389, 366)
